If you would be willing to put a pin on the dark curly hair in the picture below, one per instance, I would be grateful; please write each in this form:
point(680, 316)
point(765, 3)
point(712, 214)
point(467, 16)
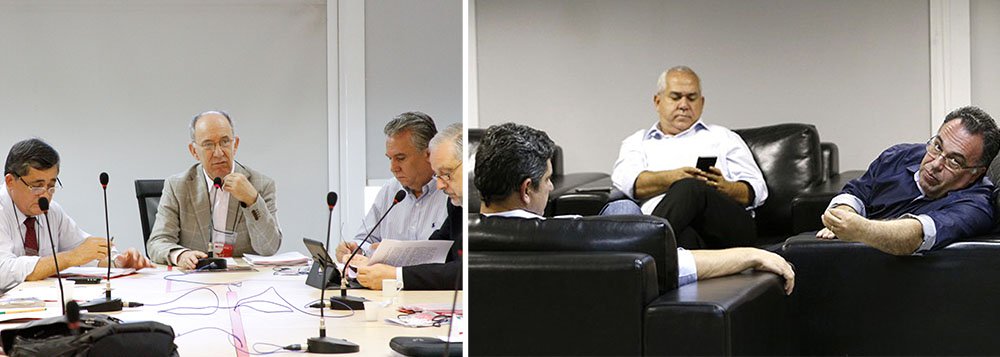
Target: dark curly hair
point(977, 122)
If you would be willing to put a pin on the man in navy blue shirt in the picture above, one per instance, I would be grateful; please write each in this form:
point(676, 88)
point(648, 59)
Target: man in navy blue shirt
point(918, 197)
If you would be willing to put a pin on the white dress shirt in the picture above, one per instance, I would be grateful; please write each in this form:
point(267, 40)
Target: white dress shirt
point(654, 150)
point(687, 270)
point(412, 219)
point(14, 265)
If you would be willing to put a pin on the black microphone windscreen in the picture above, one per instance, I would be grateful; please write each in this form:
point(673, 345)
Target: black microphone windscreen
point(72, 311)
point(400, 195)
point(217, 182)
point(104, 179)
point(331, 199)
point(43, 203)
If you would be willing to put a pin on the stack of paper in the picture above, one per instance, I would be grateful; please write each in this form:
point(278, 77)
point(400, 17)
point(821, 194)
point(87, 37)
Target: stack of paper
point(289, 258)
point(97, 272)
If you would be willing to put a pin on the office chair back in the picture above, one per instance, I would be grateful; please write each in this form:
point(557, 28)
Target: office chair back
point(148, 193)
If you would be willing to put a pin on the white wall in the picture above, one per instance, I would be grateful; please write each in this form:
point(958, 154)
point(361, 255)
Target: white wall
point(985, 48)
point(413, 61)
point(112, 85)
point(585, 71)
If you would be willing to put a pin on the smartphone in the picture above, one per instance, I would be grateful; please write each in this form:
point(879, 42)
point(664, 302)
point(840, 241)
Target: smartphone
point(704, 162)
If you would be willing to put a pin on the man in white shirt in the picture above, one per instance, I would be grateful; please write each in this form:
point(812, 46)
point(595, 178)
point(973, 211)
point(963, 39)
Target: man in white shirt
point(423, 210)
point(513, 175)
point(713, 208)
point(31, 172)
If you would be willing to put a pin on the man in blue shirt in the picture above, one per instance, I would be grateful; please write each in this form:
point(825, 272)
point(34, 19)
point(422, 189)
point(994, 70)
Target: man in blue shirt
point(918, 197)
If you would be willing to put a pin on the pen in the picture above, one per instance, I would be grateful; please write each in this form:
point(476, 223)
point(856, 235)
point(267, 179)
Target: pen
point(21, 310)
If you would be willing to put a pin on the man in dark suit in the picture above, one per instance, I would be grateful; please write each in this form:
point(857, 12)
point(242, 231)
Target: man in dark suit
point(446, 161)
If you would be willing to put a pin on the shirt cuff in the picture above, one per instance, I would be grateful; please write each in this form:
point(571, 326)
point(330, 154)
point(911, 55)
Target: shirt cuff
point(850, 200)
point(930, 231)
point(174, 254)
point(687, 271)
point(399, 276)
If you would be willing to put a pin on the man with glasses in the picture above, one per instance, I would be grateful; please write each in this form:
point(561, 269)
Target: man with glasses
point(31, 172)
point(237, 218)
point(446, 161)
point(919, 197)
point(423, 210)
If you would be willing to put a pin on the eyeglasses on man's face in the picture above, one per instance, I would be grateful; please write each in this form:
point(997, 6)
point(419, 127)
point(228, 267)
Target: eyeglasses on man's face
point(448, 176)
point(952, 162)
point(224, 144)
point(41, 189)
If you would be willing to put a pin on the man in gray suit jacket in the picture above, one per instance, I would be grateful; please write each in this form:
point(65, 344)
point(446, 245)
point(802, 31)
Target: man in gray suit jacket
point(194, 215)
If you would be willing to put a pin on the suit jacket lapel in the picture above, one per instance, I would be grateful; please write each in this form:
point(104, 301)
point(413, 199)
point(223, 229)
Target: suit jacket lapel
point(200, 202)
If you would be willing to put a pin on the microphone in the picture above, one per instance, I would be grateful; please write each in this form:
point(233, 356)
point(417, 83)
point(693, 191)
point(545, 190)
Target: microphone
point(211, 262)
point(43, 204)
point(351, 302)
point(331, 200)
point(108, 303)
point(73, 317)
point(324, 344)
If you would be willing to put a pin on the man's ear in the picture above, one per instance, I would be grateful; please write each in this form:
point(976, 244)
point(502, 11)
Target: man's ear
point(522, 192)
point(194, 153)
point(9, 179)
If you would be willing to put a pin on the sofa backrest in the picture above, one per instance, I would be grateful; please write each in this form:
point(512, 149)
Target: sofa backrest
point(790, 158)
point(641, 234)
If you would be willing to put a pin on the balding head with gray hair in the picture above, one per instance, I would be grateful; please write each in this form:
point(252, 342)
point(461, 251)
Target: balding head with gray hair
point(194, 121)
point(420, 126)
point(661, 83)
point(450, 135)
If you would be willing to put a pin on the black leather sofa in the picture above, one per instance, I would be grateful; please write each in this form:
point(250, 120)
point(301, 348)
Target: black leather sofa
point(608, 286)
point(802, 175)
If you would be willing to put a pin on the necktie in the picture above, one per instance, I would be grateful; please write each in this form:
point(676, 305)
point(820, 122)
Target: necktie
point(30, 240)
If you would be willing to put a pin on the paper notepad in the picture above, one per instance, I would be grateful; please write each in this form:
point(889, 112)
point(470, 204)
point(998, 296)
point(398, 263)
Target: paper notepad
point(289, 258)
point(97, 272)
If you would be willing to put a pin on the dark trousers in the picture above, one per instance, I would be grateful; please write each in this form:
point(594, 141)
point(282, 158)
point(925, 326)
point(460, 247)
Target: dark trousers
point(703, 217)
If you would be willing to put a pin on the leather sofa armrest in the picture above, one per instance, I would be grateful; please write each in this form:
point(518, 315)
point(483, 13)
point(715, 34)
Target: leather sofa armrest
point(941, 302)
point(743, 314)
point(569, 184)
point(559, 303)
point(831, 159)
point(585, 200)
point(809, 205)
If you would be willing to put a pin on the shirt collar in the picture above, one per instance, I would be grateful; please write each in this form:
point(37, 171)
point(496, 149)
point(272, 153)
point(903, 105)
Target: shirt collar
point(210, 180)
point(655, 133)
point(517, 213)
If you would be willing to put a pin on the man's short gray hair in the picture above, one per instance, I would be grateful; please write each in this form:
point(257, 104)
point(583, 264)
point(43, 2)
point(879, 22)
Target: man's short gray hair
point(661, 83)
point(452, 134)
point(420, 126)
point(194, 121)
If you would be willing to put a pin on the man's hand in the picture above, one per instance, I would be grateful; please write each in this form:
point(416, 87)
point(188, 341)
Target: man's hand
point(826, 233)
point(92, 248)
point(358, 261)
point(344, 250)
point(846, 224)
point(238, 186)
point(371, 276)
point(189, 259)
point(131, 258)
point(650, 183)
point(770, 262)
point(713, 178)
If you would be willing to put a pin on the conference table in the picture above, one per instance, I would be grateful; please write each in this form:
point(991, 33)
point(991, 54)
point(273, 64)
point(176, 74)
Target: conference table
point(273, 310)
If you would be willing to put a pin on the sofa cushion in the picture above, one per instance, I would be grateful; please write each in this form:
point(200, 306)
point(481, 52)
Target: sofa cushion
point(790, 158)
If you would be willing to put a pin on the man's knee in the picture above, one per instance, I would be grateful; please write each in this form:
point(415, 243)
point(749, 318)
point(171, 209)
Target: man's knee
point(620, 207)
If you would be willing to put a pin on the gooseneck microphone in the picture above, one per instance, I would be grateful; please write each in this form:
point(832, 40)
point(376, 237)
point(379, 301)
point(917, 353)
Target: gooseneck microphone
point(355, 303)
point(43, 204)
point(331, 200)
point(324, 344)
point(211, 262)
point(108, 303)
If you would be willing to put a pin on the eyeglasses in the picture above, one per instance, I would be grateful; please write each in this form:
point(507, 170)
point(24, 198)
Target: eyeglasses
point(40, 190)
point(225, 144)
point(951, 162)
point(447, 177)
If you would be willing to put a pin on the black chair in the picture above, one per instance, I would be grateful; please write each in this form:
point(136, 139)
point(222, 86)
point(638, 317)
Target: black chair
point(148, 193)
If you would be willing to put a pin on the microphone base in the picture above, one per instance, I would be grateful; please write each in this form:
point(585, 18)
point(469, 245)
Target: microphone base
point(321, 278)
point(211, 264)
point(331, 345)
point(104, 304)
point(354, 302)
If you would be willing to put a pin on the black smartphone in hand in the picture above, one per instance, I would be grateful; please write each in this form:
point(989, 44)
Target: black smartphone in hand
point(704, 162)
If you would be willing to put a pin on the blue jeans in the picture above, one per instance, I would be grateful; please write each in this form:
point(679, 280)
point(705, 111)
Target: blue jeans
point(620, 207)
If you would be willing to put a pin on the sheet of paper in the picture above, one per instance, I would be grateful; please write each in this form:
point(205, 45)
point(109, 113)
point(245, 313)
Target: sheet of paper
point(411, 252)
point(287, 258)
point(96, 271)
